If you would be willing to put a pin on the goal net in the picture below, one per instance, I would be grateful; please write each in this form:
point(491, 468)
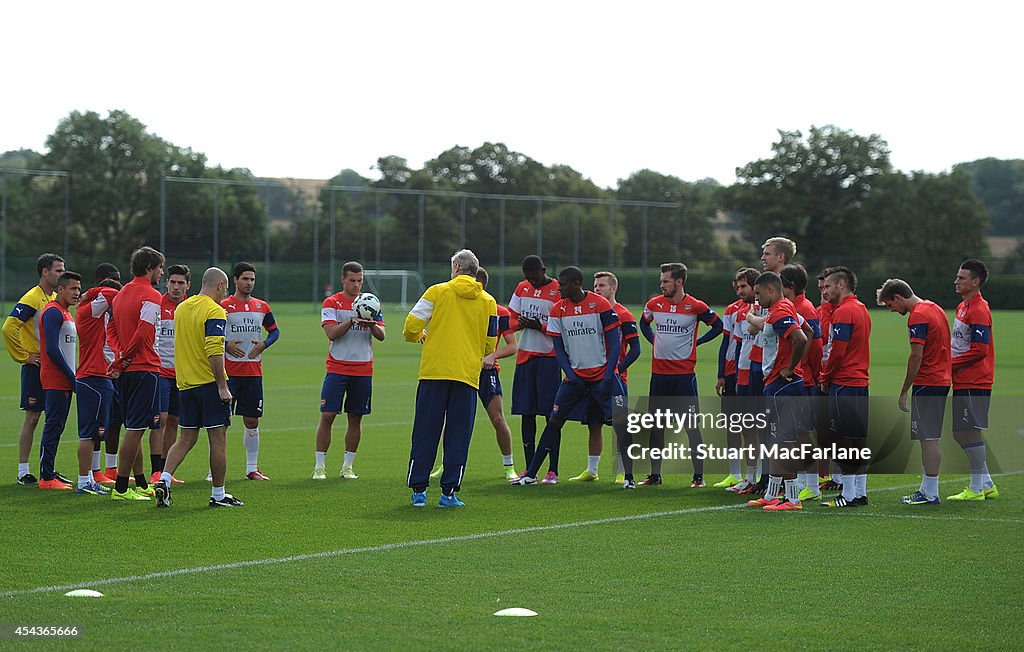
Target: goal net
point(394, 285)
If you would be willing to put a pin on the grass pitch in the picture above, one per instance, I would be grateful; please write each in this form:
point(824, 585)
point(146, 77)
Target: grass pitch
point(309, 565)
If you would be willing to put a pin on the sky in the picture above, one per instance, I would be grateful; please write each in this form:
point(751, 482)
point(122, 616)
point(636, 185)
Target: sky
point(305, 89)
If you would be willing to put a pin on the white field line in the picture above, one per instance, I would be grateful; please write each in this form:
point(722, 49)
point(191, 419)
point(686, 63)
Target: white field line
point(457, 539)
point(354, 551)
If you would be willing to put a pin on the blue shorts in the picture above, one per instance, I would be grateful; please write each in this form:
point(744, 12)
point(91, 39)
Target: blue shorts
point(756, 386)
point(95, 397)
point(970, 409)
point(786, 403)
point(927, 410)
point(201, 407)
point(31, 389)
point(534, 386)
point(848, 411)
point(247, 396)
point(170, 402)
point(577, 403)
point(355, 390)
point(490, 386)
point(674, 391)
point(729, 403)
point(140, 399)
point(116, 413)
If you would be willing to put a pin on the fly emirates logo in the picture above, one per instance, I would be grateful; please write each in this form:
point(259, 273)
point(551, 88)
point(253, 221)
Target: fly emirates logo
point(579, 328)
point(672, 325)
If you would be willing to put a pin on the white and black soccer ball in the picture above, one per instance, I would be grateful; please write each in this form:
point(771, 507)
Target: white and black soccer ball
point(366, 306)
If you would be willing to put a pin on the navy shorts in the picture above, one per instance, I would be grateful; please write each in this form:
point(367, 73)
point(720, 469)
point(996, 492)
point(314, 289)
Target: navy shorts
point(246, 396)
point(201, 407)
point(140, 399)
point(729, 404)
point(677, 392)
point(355, 391)
point(170, 401)
point(116, 413)
point(587, 403)
point(756, 387)
point(95, 398)
point(848, 411)
point(490, 386)
point(970, 409)
point(534, 386)
point(31, 389)
point(786, 403)
point(927, 409)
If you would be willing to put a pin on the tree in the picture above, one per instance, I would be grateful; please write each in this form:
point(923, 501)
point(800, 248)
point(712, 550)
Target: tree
point(816, 191)
point(930, 222)
point(684, 234)
point(1000, 186)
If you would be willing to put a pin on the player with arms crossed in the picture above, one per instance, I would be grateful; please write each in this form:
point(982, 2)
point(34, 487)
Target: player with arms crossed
point(349, 379)
point(93, 386)
point(587, 341)
point(537, 376)
point(785, 336)
point(928, 376)
point(974, 364)
point(248, 317)
point(675, 315)
point(21, 335)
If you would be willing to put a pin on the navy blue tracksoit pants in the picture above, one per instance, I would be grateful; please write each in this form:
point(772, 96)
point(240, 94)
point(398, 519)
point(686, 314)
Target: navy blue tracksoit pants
point(451, 406)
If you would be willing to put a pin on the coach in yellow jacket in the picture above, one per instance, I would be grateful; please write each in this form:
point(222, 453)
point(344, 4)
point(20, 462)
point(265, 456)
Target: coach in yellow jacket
point(463, 322)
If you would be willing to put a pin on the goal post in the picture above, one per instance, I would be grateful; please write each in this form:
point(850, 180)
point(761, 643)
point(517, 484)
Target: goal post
point(399, 286)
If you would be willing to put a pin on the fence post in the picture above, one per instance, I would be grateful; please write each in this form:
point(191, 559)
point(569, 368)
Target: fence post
point(216, 225)
point(3, 246)
point(643, 250)
point(501, 245)
point(331, 249)
point(419, 252)
point(67, 211)
point(163, 215)
point(540, 228)
point(576, 234)
point(316, 254)
point(377, 228)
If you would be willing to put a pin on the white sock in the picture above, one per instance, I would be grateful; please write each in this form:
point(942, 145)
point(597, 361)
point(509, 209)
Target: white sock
point(837, 477)
point(22, 469)
point(350, 459)
point(930, 486)
point(166, 478)
point(592, 463)
point(849, 489)
point(734, 468)
point(251, 439)
point(111, 460)
point(621, 469)
point(862, 485)
point(507, 460)
point(986, 477)
point(774, 484)
point(793, 491)
point(95, 460)
point(321, 458)
point(218, 493)
point(83, 480)
point(758, 469)
point(751, 474)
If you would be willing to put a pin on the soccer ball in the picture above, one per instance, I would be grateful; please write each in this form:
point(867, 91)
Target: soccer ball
point(366, 306)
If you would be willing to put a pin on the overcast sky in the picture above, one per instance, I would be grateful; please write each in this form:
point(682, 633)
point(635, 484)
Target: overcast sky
point(304, 89)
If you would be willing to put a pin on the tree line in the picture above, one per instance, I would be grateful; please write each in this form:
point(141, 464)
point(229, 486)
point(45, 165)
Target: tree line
point(833, 191)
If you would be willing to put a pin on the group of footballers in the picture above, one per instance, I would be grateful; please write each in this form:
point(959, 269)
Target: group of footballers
point(121, 355)
point(806, 366)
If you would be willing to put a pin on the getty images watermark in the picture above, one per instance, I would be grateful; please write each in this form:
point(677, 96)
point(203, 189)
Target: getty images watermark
point(735, 422)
